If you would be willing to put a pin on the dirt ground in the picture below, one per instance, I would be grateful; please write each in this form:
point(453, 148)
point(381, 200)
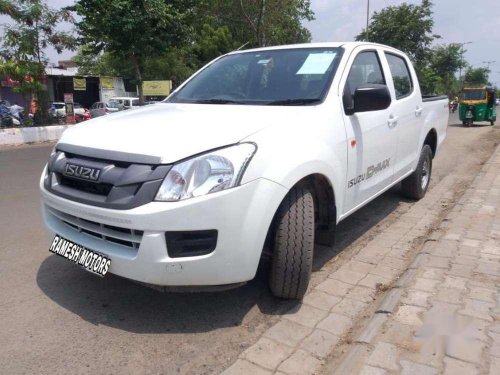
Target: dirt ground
point(56, 318)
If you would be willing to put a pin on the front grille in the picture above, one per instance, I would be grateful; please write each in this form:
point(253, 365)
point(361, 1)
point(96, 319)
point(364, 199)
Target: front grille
point(121, 236)
point(86, 186)
point(120, 185)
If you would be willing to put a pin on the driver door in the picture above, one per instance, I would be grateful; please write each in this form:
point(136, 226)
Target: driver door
point(371, 136)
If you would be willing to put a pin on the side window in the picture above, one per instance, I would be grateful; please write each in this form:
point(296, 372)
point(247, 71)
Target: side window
point(400, 75)
point(366, 69)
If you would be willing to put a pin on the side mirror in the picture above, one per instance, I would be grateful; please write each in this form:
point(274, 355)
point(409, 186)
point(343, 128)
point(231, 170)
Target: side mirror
point(370, 97)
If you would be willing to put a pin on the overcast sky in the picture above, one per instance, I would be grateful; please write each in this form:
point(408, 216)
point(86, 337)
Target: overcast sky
point(455, 20)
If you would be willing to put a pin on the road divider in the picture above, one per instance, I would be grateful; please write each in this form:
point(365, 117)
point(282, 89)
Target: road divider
point(18, 136)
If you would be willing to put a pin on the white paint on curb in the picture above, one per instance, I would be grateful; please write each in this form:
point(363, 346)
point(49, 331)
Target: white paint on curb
point(17, 136)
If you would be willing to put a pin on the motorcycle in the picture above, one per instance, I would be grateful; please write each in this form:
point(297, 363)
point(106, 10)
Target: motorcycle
point(6, 118)
point(453, 106)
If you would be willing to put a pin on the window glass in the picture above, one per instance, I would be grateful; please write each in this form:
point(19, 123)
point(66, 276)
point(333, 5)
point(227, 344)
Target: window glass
point(366, 69)
point(400, 75)
point(135, 102)
point(473, 94)
point(276, 77)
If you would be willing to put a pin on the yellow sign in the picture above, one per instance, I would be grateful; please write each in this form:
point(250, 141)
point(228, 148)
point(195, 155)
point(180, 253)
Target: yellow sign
point(156, 88)
point(107, 83)
point(79, 84)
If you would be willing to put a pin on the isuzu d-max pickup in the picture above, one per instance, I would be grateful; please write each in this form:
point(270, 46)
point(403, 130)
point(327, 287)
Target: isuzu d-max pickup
point(257, 155)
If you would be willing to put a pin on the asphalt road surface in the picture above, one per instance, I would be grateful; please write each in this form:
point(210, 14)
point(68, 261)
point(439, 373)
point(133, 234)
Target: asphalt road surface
point(57, 318)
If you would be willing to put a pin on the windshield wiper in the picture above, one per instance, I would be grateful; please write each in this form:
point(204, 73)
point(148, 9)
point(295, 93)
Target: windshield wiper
point(218, 101)
point(298, 101)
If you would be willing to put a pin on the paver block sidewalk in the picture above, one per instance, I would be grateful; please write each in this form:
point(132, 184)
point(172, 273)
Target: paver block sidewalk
point(448, 317)
point(304, 338)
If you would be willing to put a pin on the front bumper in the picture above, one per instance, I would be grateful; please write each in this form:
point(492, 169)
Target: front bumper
point(241, 216)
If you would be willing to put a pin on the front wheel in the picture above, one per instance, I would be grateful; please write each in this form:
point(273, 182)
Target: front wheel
point(293, 245)
point(415, 185)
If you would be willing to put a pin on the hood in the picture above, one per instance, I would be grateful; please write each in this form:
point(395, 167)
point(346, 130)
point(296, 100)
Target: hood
point(173, 131)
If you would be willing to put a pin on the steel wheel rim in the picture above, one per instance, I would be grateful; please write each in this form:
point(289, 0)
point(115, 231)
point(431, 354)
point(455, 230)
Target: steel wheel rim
point(426, 172)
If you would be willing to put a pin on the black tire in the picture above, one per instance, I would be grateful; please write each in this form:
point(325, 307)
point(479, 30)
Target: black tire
point(293, 245)
point(492, 123)
point(415, 185)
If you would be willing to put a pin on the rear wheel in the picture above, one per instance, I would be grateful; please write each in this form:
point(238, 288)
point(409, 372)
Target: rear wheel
point(415, 185)
point(293, 245)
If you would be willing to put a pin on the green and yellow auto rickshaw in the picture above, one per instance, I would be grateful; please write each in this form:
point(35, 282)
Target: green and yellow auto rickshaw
point(478, 104)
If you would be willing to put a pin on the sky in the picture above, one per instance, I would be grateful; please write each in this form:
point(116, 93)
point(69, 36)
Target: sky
point(456, 21)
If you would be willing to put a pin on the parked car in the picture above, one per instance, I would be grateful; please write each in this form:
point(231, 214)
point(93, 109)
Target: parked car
point(257, 156)
point(101, 109)
point(58, 109)
point(126, 102)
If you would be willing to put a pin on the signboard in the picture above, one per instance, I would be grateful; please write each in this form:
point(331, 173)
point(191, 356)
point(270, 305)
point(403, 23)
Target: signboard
point(156, 88)
point(107, 83)
point(79, 84)
point(69, 108)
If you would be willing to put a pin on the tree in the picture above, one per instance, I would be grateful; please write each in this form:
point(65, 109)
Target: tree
point(33, 28)
point(445, 61)
point(478, 76)
point(133, 30)
point(262, 22)
point(406, 27)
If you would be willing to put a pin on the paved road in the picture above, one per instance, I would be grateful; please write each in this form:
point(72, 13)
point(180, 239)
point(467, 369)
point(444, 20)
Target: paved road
point(58, 319)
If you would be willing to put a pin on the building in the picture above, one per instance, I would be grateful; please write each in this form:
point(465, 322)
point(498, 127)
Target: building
point(86, 90)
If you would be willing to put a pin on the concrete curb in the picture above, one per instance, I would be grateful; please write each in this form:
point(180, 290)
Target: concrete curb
point(18, 136)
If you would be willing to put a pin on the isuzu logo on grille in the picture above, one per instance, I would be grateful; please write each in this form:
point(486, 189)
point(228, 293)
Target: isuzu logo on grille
point(82, 172)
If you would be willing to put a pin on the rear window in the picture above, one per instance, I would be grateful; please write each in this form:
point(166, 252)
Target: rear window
point(474, 95)
point(400, 75)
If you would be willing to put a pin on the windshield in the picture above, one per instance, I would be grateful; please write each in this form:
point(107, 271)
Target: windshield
point(473, 94)
point(277, 77)
point(113, 105)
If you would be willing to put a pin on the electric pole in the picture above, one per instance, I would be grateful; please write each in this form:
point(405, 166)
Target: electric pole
point(367, 19)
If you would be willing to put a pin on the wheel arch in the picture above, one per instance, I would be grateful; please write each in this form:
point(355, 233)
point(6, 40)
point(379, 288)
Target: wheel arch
point(431, 139)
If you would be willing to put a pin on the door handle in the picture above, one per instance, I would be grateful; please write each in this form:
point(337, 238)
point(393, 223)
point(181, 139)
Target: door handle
point(418, 111)
point(393, 121)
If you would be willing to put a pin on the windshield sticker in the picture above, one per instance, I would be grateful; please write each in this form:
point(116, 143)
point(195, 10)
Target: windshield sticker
point(263, 61)
point(317, 63)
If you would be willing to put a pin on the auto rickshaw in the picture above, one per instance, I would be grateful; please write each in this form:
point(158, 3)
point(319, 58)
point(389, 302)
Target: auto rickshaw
point(478, 104)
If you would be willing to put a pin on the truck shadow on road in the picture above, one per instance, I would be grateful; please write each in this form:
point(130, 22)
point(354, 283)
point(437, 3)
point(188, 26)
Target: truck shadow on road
point(125, 305)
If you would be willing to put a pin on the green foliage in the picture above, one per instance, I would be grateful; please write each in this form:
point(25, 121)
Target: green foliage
point(261, 22)
point(133, 31)
point(444, 62)
point(406, 27)
point(477, 76)
point(33, 28)
point(195, 33)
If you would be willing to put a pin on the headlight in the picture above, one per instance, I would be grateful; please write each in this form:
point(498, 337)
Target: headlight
point(215, 171)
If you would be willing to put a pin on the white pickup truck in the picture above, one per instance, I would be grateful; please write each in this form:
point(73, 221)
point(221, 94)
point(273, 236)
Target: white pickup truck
point(259, 154)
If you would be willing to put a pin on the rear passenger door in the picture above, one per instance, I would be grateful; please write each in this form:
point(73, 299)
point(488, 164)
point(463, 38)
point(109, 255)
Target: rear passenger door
point(371, 136)
point(407, 110)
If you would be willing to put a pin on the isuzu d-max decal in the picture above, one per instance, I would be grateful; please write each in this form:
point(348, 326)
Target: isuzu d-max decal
point(371, 171)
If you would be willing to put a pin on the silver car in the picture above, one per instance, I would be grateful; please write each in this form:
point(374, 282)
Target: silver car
point(100, 109)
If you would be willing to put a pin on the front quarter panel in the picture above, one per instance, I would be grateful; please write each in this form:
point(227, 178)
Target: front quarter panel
point(312, 142)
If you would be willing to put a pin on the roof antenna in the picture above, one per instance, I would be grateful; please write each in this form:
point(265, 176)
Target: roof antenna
point(242, 46)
